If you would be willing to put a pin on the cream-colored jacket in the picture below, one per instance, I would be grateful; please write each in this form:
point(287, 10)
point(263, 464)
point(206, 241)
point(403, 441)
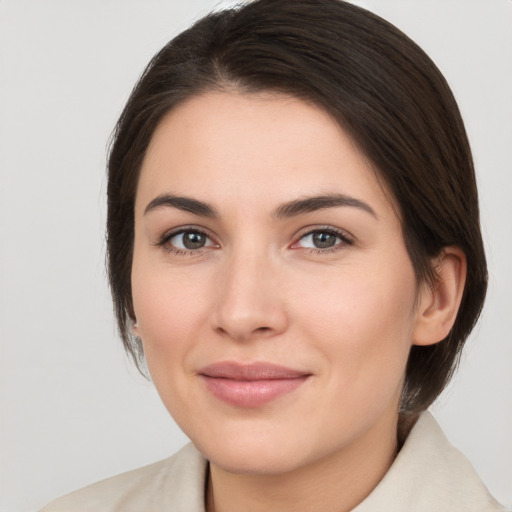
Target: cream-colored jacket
point(428, 475)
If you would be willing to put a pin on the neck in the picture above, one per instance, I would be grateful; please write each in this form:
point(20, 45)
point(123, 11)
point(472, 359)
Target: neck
point(336, 482)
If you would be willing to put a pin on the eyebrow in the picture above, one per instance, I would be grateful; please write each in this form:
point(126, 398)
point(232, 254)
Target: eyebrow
point(185, 204)
point(312, 204)
point(286, 210)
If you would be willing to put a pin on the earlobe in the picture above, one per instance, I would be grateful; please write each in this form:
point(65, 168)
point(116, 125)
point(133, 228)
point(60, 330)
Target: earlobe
point(135, 329)
point(438, 304)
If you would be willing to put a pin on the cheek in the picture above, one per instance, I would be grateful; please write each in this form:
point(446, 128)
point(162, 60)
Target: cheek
point(363, 324)
point(170, 308)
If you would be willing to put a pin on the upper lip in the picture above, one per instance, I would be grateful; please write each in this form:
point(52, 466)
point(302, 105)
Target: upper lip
point(253, 371)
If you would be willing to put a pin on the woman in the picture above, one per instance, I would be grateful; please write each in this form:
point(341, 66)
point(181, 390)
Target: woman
point(295, 253)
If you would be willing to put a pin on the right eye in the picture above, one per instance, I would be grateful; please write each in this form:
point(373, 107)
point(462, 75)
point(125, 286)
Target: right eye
point(187, 241)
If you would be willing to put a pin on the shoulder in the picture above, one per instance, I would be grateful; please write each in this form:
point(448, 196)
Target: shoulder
point(176, 482)
point(430, 474)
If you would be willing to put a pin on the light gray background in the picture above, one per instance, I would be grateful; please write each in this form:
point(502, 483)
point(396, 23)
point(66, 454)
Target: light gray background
point(73, 409)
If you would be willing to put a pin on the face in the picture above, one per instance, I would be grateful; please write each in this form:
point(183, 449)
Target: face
point(273, 292)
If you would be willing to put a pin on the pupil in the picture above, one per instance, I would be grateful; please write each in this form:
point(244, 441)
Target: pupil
point(323, 240)
point(193, 240)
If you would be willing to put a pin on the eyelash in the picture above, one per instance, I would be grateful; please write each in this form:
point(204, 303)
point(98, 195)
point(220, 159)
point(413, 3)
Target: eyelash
point(345, 240)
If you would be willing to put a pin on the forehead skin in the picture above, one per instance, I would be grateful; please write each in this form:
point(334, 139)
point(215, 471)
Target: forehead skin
point(281, 121)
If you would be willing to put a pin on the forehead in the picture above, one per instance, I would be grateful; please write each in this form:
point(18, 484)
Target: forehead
point(260, 148)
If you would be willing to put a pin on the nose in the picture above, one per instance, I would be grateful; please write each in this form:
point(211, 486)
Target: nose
point(250, 302)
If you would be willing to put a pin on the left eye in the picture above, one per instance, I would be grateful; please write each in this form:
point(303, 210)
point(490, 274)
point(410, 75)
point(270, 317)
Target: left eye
point(321, 239)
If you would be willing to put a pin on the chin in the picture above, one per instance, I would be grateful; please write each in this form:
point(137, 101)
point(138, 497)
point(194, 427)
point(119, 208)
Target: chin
point(261, 449)
point(254, 460)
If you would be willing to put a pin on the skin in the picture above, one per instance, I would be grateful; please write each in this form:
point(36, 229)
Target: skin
point(259, 290)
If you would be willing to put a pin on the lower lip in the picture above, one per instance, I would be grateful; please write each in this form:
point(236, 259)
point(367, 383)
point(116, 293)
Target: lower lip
point(251, 393)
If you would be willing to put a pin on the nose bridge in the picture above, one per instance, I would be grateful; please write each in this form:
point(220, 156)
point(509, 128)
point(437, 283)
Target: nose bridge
point(249, 302)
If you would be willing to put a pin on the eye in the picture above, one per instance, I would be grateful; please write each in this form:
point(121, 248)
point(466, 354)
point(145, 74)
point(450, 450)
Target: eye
point(186, 241)
point(319, 240)
point(323, 239)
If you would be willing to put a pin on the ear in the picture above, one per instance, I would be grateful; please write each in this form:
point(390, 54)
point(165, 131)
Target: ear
point(438, 304)
point(135, 329)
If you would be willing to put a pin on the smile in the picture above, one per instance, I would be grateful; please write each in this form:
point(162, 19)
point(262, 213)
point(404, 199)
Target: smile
point(250, 385)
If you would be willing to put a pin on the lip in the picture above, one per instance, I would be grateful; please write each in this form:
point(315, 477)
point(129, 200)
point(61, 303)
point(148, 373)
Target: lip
point(250, 385)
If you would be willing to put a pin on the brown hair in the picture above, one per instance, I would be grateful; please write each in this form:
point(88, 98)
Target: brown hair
point(379, 86)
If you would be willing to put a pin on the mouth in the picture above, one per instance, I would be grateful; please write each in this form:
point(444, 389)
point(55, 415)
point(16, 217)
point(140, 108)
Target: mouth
point(250, 385)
